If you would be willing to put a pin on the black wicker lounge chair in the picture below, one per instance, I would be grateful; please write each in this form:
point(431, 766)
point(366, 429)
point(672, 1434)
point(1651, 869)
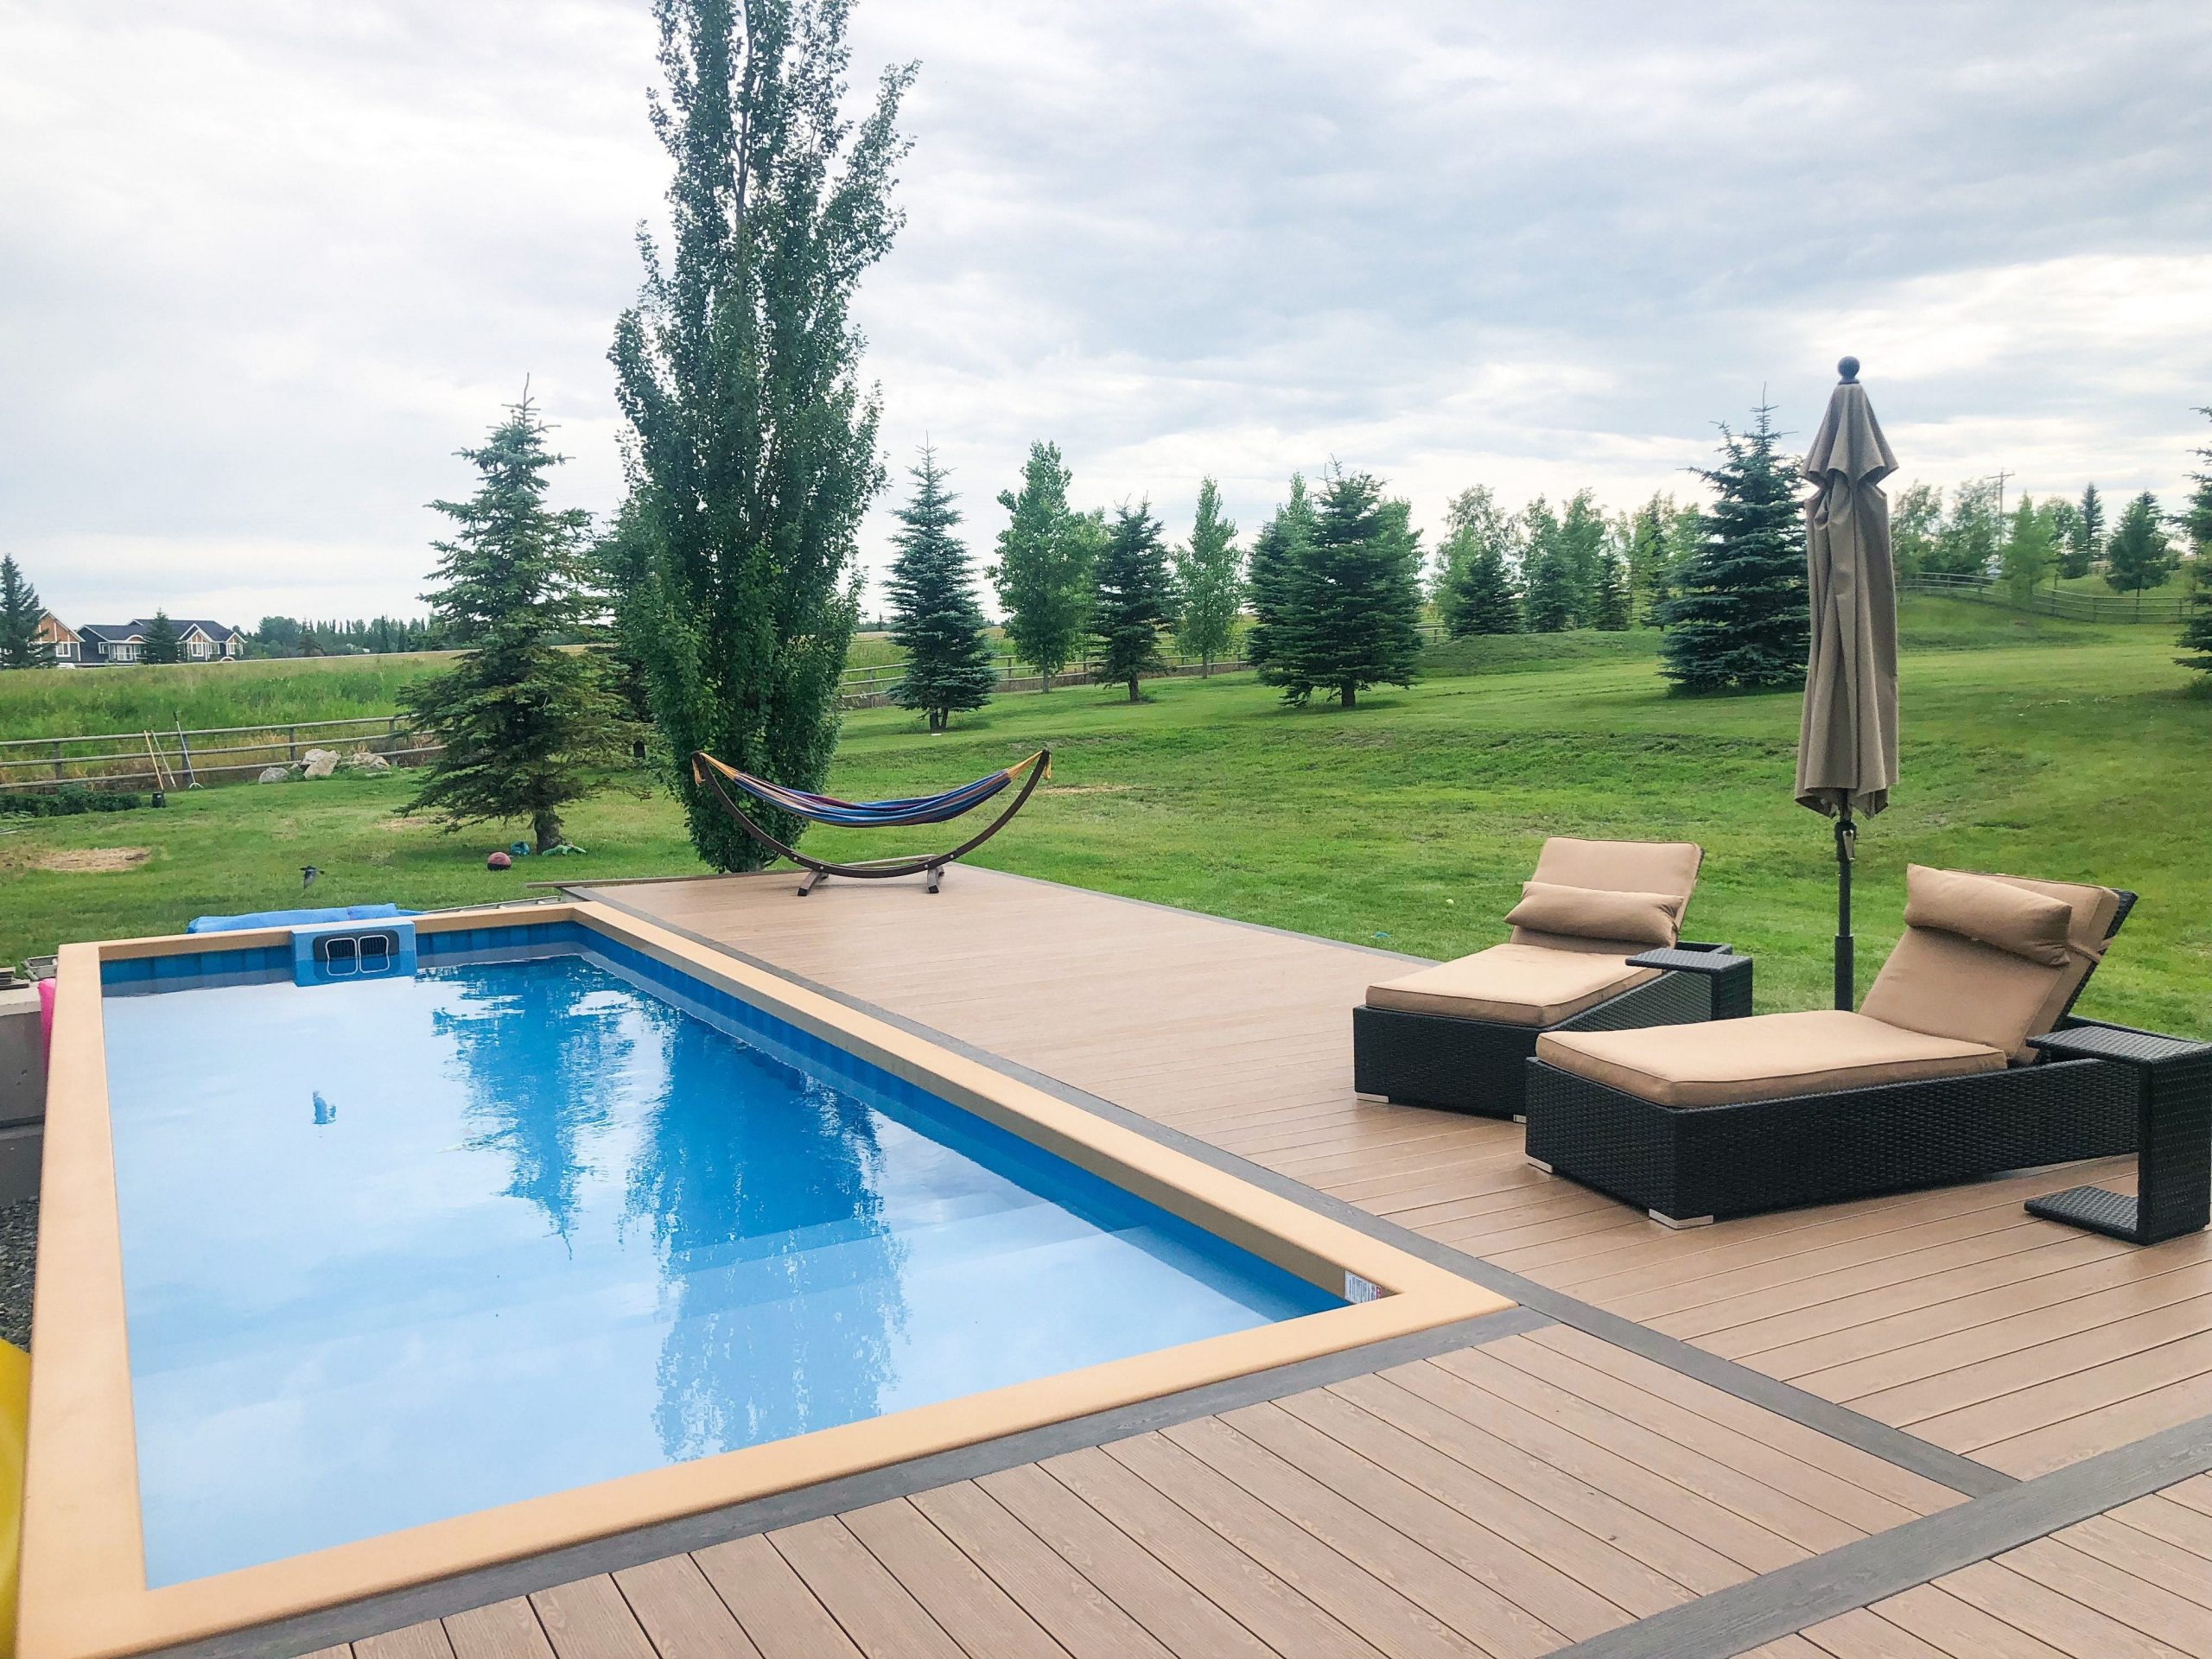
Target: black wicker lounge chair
point(1941, 1077)
point(1594, 947)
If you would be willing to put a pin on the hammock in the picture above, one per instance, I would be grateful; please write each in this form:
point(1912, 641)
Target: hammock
point(870, 814)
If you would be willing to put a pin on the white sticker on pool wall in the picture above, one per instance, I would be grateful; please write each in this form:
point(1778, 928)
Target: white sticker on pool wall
point(1357, 1289)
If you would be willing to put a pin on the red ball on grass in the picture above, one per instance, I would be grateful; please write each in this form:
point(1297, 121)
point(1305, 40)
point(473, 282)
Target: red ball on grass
point(498, 861)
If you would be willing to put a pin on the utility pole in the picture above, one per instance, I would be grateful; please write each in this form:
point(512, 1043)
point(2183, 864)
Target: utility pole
point(1999, 478)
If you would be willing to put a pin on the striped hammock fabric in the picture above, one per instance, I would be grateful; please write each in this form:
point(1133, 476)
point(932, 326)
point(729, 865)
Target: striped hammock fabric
point(869, 815)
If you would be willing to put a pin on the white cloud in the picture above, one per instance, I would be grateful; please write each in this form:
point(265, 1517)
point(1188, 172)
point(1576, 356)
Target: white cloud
point(263, 268)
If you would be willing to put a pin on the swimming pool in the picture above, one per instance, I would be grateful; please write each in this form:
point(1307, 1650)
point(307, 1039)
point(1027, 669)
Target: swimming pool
point(573, 1227)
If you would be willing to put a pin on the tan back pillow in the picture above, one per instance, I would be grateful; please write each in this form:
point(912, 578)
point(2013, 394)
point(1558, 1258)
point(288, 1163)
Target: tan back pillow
point(1668, 867)
point(1636, 919)
point(1989, 911)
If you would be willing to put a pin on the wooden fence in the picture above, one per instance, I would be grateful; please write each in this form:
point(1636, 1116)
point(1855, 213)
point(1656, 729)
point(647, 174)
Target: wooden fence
point(2167, 608)
point(212, 755)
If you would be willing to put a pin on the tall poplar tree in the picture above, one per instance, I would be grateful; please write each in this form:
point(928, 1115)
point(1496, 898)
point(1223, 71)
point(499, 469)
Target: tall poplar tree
point(1582, 548)
point(1043, 572)
point(934, 614)
point(752, 443)
point(2029, 551)
point(1209, 582)
point(1278, 552)
point(525, 723)
point(1739, 620)
point(20, 614)
point(1133, 598)
point(2195, 521)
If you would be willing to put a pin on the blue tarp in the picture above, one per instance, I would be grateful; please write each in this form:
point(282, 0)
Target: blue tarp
point(293, 917)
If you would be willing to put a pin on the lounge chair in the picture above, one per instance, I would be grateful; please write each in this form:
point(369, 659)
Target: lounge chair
point(1938, 1077)
point(1594, 947)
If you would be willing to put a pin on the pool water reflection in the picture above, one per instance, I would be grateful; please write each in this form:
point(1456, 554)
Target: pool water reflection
point(399, 1250)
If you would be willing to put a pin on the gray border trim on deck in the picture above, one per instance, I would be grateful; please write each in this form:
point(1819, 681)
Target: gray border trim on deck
point(1808, 1592)
point(356, 1621)
point(1770, 1394)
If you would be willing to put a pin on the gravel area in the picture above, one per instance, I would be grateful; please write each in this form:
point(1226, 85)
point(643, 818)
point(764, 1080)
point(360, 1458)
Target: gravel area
point(18, 1255)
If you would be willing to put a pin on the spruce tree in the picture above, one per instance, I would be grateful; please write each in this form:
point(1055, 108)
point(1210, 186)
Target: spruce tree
point(1209, 581)
point(161, 644)
point(1548, 603)
point(1486, 602)
point(1133, 598)
point(1609, 604)
point(2138, 555)
point(752, 441)
point(20, 614)
point(1739, 621)
point(1278, 552)
point(525, 723)
point(934, 614)
point(1474, 586)
point(1355, 596)
point(2195, 521)
point(2087, 542)
point(1043, 572)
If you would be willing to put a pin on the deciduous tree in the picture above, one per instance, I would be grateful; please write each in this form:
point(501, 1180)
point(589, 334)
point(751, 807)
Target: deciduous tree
point(1043, 572)
point(753, 442)
point(934, 614)
point(1209, 580)
point(525, 723)
point(2029, 551)
point(1133, 598)
point(1739, 622)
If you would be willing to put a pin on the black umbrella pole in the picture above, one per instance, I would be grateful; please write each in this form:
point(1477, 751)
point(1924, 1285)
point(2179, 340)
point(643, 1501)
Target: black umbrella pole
point(1845, 967)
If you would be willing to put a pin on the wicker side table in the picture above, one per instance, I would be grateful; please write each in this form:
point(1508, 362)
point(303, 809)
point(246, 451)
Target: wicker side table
point(1731, 974)
point(2173, 1156)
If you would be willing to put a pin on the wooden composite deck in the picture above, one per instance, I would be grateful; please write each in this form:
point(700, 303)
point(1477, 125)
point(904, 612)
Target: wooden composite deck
point(1547, 1490)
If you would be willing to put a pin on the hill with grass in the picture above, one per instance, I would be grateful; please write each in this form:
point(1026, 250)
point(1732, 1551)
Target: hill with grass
point(2039, 747)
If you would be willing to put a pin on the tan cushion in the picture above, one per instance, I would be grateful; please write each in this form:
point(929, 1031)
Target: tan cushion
point(1513, 984)
point(1648, 918)
point(1663, 867)
point(1989, 911)
point(1949, 986)
point(1767, 1058)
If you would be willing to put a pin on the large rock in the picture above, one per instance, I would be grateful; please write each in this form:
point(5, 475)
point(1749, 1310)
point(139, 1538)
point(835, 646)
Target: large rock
point(318, 763)
point(366, 760)
point(274, 775)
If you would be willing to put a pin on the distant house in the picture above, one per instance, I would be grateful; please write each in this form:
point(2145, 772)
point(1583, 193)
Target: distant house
point(109, 644)
point(61, 639)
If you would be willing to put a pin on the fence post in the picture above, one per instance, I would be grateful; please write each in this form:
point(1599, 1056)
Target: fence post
point(57, 759)
point(291, 746)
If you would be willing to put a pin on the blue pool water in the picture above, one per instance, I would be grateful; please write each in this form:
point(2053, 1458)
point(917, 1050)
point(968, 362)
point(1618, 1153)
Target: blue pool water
point(400, 1250)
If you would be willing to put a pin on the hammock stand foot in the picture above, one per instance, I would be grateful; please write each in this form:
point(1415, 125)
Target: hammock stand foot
point(807, 885)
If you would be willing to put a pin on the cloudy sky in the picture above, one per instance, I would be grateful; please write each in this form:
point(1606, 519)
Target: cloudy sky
point(263, 266)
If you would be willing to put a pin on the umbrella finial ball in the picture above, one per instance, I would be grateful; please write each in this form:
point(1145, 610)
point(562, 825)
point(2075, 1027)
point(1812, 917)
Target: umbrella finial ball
point(1848, 369)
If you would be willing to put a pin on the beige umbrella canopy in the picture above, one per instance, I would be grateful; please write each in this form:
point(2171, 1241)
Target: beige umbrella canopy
point(1847, 741)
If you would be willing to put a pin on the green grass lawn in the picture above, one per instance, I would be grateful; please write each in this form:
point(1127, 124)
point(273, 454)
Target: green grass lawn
point(2029, 746)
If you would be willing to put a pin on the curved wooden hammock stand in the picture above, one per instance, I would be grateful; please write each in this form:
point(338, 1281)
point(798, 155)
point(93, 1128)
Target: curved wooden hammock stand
point(705, 769)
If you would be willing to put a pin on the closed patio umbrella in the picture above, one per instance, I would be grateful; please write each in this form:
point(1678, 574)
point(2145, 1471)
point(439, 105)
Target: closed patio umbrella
point(1847, 742)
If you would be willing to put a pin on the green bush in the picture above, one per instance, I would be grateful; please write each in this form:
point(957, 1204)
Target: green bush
point(67, 802)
